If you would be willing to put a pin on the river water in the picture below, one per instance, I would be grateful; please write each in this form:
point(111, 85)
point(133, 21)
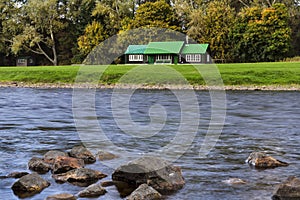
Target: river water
point(34, 121)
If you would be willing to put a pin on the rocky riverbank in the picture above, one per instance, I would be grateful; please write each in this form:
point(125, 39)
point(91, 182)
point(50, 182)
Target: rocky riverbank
point(154, 87)
point(145, 178)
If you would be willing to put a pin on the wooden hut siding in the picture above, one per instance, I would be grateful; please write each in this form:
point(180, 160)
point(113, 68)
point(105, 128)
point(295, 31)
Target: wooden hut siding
point(135, 54)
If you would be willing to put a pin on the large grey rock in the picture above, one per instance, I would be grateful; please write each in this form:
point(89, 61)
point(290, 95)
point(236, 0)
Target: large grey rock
point(64, 196)
point(155, 172)
point(38, 165)
point(81, 177)
point(144, 192)
point(261, 160)
point(288, 190)
point(50, 156)
point(94, 190)
point(83, 153)
point(29, 185)
point(64, 164)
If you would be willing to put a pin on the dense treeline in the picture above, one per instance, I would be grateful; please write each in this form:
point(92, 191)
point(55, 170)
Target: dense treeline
point(65, 31)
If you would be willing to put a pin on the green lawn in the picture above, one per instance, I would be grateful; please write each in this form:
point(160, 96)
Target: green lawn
point(232, 74)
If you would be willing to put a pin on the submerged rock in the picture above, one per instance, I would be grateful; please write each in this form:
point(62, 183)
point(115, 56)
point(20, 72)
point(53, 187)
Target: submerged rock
point(50, 156)
point(155, 172)
point(29, 185)
point(64, 196)
point(103, 155)
point(94, 190)
point(288, 190)
point(38, 165)
point(261, 160)
point(234, 181)
point(144, 192)
point(107, 183)
point(81, 177)
point(17, 174)
point(64, 164)
point(83, 153)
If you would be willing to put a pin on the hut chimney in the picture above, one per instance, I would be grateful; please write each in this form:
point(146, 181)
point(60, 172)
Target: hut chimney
point(187, 39)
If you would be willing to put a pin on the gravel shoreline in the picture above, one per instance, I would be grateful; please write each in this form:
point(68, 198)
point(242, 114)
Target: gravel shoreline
point(151, 87)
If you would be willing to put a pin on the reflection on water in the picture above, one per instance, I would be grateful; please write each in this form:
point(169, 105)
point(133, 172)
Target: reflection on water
point(33, 121)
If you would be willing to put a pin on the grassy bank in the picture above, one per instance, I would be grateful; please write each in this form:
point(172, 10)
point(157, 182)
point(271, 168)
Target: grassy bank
point(258, 74)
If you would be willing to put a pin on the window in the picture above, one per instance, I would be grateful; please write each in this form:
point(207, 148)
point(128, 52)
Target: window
point(163, 57)
point(208, 58)
point(136, 58)
point(22, 61)
point(193, 58)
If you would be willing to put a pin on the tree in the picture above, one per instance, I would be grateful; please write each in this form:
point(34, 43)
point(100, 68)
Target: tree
point(212, 25)
point(48, 28)
point(155, 14)
point(262, 34)
point(108, 17)
point(94, 35)
point(41, 22)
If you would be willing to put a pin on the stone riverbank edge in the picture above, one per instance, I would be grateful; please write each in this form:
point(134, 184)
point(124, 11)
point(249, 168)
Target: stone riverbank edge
point(291, 87)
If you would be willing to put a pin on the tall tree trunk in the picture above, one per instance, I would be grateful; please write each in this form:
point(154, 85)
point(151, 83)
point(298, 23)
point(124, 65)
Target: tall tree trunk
point(54, 61)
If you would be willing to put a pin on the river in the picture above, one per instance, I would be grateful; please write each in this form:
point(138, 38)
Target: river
point(34, 121)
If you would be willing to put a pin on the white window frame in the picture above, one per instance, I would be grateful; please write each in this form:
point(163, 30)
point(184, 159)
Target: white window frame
point(136, 58)
point(163, 57)
point(193, 58)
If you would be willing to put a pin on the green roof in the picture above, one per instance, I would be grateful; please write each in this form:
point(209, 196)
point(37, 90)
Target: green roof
point(136, 49)
point(195, 49)
point(164, 47)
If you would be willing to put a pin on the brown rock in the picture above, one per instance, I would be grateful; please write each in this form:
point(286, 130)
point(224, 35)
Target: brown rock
point(64, 164)
point(17, 174)
point(261, 160)
point(102, 155)
point(50, 156)
point(144, 192)
point(288, 190)
point(84, 154)
point(107, 183)
point(81, 177)
point(38, 165)
point(94, 190)
point(29, 185)
point(63, 196)
point(155, 172)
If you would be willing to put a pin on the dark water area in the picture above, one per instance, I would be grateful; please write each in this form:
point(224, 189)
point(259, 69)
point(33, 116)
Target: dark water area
point(34, 121)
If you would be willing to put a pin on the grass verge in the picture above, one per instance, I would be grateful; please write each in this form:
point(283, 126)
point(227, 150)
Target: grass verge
point(254, 74)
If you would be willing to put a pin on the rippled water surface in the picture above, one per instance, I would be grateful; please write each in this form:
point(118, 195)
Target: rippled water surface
point(34, 121)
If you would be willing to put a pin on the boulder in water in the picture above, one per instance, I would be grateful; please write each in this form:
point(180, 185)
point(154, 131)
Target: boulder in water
point(155, 172)
point(50, 156)
point(81, 177)
point(64, 164)
point(29, 185)
point(38, 165)
point(17, 174)
point(83, 153)
point(64, 196)
point(263, 161)
point(103, 155)
point(144, 192)
point(288, 190)
point(94, 190)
